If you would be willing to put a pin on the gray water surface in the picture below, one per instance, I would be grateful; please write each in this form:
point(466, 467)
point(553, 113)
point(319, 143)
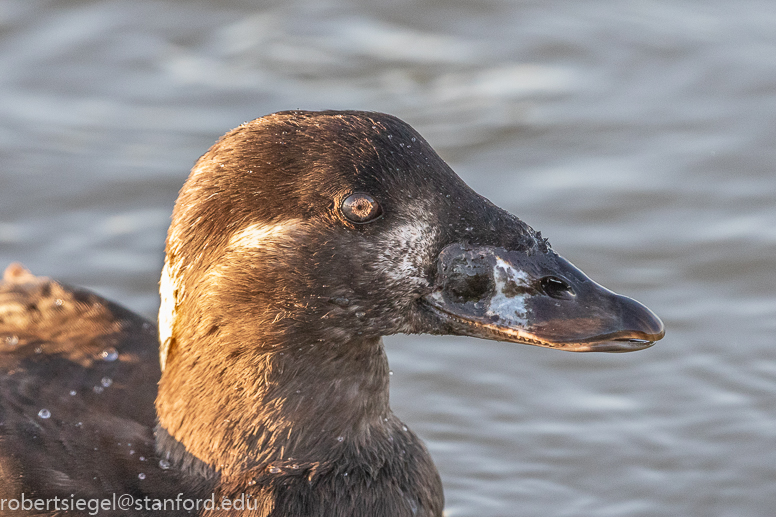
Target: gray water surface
point(637, 135)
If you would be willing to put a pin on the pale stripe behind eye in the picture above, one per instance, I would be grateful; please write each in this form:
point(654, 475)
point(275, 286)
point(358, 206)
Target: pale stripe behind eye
point(262, 235)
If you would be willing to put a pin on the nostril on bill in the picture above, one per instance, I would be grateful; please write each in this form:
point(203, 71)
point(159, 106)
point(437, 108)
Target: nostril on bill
point(556, 287)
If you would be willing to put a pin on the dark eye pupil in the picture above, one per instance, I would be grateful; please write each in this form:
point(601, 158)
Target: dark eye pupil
point(361, 208)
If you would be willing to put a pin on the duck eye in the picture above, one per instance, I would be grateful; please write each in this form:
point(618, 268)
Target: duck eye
point(361, 208)
point(556, 287)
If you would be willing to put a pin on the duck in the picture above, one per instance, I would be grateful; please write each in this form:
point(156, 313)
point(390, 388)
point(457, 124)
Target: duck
point(297, 242)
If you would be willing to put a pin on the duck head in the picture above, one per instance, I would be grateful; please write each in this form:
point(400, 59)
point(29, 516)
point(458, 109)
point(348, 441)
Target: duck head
point(339, 224)
point(301, 238)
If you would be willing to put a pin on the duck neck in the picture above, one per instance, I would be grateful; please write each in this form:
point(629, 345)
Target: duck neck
point(238, 407)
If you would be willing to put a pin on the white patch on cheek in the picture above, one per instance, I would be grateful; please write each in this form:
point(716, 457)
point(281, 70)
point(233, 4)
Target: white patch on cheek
point(406, 256)
point(509, 309)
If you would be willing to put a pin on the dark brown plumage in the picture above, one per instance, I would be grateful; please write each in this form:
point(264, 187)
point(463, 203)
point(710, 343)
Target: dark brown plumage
point(77, 389)
point(298, 241)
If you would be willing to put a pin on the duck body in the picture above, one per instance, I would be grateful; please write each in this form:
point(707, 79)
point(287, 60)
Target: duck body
point(298, 241)
point(76, 395)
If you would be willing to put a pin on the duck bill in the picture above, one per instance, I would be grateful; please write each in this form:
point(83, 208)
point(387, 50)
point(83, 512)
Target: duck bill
point(536, 299)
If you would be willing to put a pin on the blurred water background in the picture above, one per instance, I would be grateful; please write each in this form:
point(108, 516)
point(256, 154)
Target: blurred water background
point(637, 135)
